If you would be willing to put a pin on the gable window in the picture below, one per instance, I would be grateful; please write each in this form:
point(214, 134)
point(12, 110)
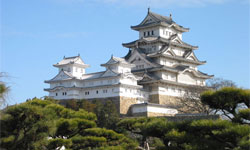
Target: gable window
point(152, 32)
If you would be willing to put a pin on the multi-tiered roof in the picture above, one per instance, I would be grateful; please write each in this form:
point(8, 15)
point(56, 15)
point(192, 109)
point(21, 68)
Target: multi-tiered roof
point(185, 60)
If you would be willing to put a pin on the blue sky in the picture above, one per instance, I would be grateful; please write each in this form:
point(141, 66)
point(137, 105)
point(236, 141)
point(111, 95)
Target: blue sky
point(37, 33)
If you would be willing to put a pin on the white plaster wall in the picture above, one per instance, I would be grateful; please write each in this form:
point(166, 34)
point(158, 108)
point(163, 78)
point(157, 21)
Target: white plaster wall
point(128, 81)
point(165, 32)
point(73, 70)
point(102, 92)
point(156, 109)
point(178, 51)
point(166, 62)
point(187, 78)
point(139, 109)
point(170, 90)
point(78, 72)
point(193, 66)
point(168, 76)
point(123, 69)
point(156, 32)
point(153, 109)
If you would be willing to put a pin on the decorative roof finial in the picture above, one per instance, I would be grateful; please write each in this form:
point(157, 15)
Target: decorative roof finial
point(148, 9)
point(170, 16)
point(112, 56)
point(78, 54)
point(63, 56)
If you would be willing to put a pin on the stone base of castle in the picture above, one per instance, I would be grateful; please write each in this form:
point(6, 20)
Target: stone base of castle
point(124, 104)
point(171, 101)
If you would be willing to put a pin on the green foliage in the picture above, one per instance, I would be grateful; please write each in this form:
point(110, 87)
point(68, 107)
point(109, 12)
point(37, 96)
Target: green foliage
point(43, 124)
point(227, 100)
point(107, 115)
point(193, 135)
point(59, 142)
point(28, 124)
point(244, 114)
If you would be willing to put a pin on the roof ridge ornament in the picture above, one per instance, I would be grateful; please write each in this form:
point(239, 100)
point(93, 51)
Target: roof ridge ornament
point(170, 15)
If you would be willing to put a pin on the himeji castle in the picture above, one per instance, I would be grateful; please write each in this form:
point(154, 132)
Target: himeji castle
point(158, 69)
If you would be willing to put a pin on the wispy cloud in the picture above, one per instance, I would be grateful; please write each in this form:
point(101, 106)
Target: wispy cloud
point(154, 3)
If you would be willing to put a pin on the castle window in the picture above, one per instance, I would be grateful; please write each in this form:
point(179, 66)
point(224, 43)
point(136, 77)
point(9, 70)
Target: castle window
point(154, 48)
point(87, 93)
point(105, 91)
point(148, 33)
point(56, 94)
point(62, 93)
point(65, 93)
point(144, 33)
point(152, 32)
point(97, 92)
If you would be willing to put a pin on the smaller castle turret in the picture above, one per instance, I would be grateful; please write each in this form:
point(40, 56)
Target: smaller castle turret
point(72, 65)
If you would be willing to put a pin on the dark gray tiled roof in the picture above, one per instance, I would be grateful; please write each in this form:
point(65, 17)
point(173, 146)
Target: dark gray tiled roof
point(159, 20)
point(158, 39)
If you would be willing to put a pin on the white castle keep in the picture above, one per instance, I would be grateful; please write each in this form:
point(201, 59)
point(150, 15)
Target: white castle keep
point(158, 68)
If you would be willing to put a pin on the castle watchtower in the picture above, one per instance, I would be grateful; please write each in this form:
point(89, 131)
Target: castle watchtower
point(72, 65)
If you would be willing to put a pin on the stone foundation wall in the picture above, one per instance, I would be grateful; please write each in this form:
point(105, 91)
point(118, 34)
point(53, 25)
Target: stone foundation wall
point(164, 100)
point(154, 99)
point(171, 101)
point(125, 105)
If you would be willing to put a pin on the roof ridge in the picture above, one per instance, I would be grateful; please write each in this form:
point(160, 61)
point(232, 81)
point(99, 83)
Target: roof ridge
point(71, 57)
